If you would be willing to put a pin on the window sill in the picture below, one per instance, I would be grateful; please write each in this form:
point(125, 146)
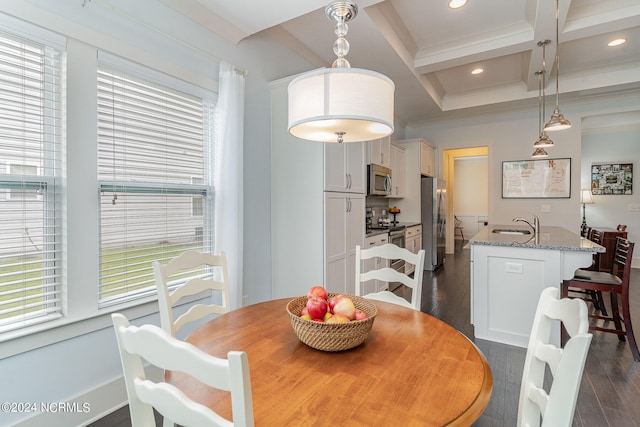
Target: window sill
point(43, 334)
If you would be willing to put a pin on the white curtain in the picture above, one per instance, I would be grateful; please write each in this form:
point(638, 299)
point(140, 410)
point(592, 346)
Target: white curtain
point(228, 183)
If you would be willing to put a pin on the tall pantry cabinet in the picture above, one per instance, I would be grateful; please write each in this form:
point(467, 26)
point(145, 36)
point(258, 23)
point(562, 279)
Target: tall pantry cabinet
point(317, 209)
point(344, 216)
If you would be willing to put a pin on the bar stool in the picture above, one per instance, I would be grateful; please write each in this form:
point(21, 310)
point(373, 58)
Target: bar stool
point(594, 297)
point(616, 283)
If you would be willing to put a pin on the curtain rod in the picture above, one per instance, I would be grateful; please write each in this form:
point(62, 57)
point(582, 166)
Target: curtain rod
point(146, 24)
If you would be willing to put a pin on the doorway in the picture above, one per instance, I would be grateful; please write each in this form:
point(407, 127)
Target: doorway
point(450, 158)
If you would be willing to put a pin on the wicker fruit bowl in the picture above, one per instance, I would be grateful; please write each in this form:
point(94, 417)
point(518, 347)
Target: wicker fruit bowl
point(332, 336)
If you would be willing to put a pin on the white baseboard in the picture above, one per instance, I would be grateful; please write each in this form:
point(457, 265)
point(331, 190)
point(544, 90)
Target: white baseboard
point(88, 407)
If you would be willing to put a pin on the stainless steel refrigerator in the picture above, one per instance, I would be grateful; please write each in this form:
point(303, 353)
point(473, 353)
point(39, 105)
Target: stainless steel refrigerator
point(433, 221)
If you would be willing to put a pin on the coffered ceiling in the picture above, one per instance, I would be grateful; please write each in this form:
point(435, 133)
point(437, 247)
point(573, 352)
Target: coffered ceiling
point(429, 50)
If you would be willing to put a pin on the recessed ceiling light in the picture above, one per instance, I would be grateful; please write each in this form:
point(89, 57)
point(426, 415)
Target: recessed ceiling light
point(455, 4)
point(477, 70)
point(616, 42)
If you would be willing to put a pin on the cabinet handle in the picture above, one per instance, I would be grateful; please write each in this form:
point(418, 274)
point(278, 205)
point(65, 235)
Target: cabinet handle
point(349, 180)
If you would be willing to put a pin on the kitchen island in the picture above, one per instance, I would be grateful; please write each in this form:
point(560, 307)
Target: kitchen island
point(509, 270)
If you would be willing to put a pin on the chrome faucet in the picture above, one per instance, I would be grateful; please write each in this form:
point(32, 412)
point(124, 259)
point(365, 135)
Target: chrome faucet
point(535, 226)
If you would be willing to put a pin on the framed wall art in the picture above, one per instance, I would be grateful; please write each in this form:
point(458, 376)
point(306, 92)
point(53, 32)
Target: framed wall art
point(528, 179)
point(612, 178)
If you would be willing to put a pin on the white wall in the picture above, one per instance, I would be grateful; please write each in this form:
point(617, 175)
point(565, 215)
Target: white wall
point(613, 145)
point(471, 193)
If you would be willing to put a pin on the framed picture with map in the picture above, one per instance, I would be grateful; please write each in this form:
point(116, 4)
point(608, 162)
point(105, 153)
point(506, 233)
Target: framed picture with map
point(540, 178)
point(612, 179)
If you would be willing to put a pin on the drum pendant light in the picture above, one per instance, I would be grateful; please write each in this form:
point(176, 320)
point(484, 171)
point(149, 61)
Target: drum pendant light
point(341, 104)
point(557, 120)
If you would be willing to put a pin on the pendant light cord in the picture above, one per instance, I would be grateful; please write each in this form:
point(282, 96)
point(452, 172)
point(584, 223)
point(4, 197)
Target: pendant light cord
point(557, 54)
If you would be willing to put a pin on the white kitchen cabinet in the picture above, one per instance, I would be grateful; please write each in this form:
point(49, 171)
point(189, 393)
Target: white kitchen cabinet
point(344, 230)
point(379, 152)
point(413, 242)
point(411, 204)
point(372, 286)
point(427, 159)
point(345, 169)
point(398, 171)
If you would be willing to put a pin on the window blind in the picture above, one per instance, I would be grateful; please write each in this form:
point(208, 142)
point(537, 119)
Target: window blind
point(155, 155)
point(30, 182)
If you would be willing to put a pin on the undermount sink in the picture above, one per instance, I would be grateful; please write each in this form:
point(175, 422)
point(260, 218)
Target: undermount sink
point(510, 231)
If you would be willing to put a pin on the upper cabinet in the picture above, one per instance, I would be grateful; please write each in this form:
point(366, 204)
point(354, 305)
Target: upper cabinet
point(398, 169)
point(379, 152)
point(344, 167)
point(427, 159)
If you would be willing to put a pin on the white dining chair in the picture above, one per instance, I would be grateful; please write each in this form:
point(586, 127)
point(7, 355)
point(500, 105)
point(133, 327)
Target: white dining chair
point(196, 269)
point(157, 347)
point(557, 407)
point(387, 274)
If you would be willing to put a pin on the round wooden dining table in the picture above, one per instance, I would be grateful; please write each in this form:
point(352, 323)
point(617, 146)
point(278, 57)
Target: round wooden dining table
point(412, 370)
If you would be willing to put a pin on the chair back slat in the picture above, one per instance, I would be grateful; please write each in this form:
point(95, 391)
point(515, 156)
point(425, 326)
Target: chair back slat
point(622, 259)
point(596, 236)
point(390, 251)
point(196, 270)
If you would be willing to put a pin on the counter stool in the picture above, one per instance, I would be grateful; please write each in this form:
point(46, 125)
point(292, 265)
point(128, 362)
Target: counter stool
point(616, 283)
point(594, 297)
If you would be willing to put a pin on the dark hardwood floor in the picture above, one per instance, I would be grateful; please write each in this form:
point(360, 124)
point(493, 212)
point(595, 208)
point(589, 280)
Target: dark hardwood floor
point(610, 389)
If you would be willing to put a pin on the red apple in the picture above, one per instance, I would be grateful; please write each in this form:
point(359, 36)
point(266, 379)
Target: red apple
point(304, 311)
point(317, 308)
point(345, 307)
point(360, 315)
point(333, 301)
point(338, 318)
point(318, 292)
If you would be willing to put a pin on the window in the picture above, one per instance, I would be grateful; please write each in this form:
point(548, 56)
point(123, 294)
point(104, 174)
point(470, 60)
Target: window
point(155, 157)
point(30, 182)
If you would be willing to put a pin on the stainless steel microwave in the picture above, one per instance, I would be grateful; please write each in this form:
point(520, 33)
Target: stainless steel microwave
point(378, 181)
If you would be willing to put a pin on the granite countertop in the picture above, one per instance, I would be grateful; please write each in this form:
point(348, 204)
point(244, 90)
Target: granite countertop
point(555, 238)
